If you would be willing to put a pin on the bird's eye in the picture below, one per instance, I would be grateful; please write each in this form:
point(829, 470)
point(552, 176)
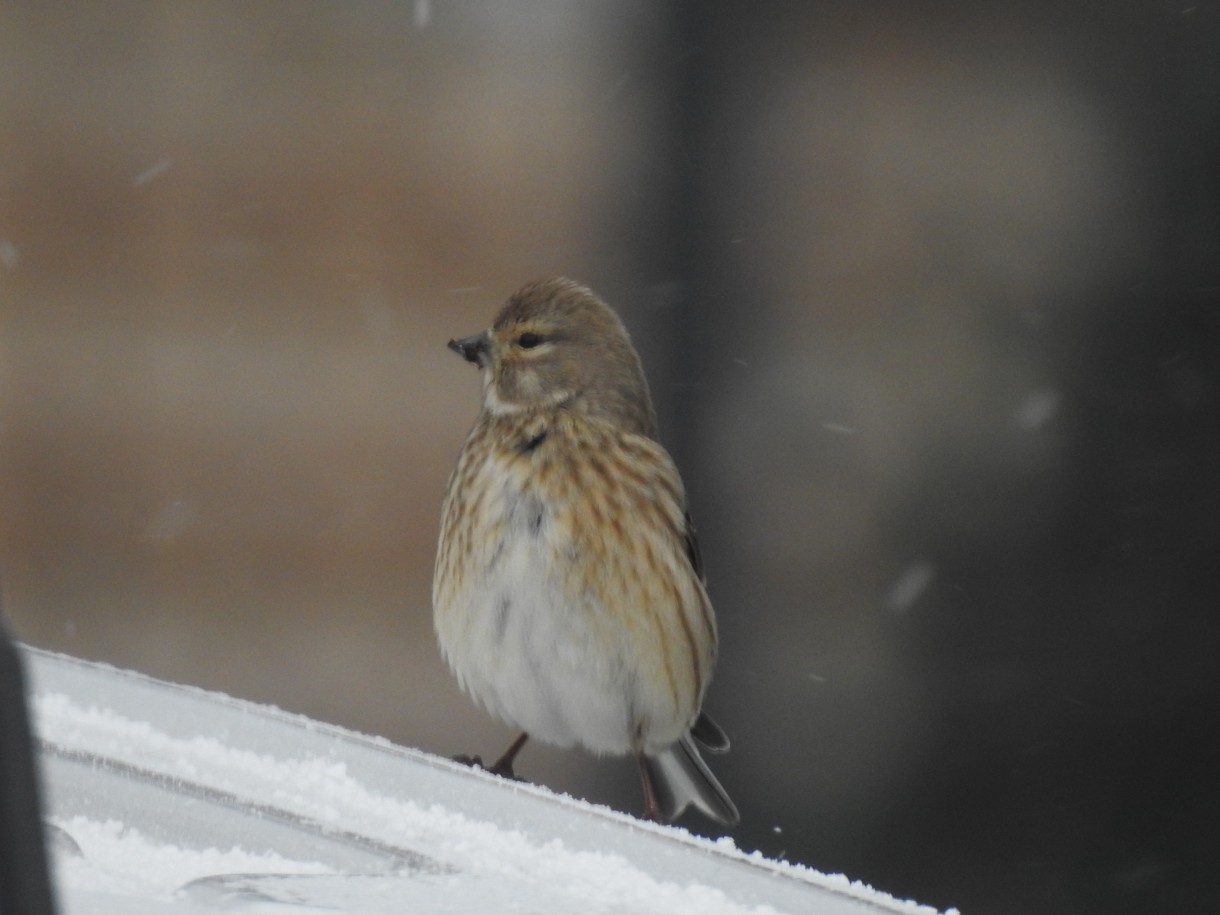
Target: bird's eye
point(529, 340)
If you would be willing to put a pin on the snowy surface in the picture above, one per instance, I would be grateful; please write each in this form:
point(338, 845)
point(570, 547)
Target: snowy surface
point(165, 798)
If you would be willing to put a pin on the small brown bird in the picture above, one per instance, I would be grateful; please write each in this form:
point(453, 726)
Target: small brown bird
point(568, 596)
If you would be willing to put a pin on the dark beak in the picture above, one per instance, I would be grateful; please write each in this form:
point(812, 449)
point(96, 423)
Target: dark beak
point(473, 348)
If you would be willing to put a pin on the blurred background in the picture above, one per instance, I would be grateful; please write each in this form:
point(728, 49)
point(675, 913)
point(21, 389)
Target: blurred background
point(929, 296)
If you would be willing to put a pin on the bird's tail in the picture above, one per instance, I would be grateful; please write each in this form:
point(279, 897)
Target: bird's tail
point(681, 778)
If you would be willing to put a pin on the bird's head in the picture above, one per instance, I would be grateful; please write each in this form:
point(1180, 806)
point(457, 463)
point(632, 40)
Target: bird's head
point(556, 345)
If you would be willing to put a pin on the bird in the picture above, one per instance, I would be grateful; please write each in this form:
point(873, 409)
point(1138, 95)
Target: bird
point(569, 597)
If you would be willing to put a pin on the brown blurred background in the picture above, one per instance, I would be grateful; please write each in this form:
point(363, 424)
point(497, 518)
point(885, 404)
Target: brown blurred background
point(929, 298)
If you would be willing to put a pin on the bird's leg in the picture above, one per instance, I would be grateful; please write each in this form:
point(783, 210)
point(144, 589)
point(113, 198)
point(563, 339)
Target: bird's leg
point(504, 765)
point(651, 809)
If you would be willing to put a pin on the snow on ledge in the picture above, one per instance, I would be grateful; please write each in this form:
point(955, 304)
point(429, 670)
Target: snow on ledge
point(168, 798)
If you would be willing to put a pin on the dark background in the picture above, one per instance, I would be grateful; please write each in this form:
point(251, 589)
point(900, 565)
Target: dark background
point(929, 295)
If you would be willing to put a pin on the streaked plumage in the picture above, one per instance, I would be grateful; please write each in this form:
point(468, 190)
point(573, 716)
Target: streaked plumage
point(568, 594)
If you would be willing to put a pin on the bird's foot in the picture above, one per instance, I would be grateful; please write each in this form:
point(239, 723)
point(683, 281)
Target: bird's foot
point(504, 770)
point(503, 766)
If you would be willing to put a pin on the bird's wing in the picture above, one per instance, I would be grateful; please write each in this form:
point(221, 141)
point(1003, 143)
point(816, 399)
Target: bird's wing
point(692, 549)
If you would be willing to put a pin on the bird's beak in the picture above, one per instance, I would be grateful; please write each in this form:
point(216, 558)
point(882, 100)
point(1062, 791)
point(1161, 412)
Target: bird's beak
point(473, 348)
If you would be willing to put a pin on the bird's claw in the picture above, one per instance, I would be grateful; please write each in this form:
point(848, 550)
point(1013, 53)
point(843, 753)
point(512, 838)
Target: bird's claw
point(502, 768)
